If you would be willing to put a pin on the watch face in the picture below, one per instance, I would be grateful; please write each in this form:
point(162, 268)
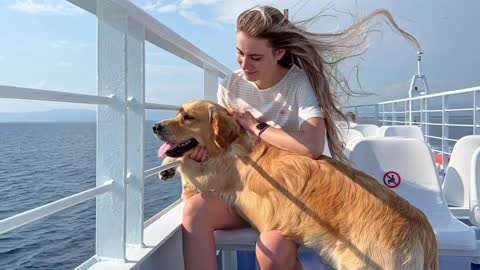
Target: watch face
point(261, 126)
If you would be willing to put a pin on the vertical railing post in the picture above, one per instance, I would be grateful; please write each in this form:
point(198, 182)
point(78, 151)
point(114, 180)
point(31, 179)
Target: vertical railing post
point(135, 129)
point(476, 113)
point(445, 121)
point(383, 115)
point(376, 115)
point(411, 113)
point(427, 120)
point(422, 120)
point(210, 83)
point(111, 131)
point(394, 114)
point(410, 116)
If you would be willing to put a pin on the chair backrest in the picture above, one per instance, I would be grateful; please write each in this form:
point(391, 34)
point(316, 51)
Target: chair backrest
point(401, 131)
point(456, 185)
point(367, 130)
point(475, 189)
point(343, 124)
point(349, 134)
point(406, 166)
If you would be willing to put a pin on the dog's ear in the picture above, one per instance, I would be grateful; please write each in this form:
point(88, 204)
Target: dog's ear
point(225, 128)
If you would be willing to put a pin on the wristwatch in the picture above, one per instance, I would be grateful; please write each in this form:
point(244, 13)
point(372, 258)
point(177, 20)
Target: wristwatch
point(261, 128)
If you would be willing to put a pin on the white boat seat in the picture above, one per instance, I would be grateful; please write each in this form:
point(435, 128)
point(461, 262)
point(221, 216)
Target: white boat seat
point(240, 239)
point(343, 124)
point(474, 214)
point(349, 134)
point(456, 185)
point(412, 162)
point(367, 130)
point(401, 131)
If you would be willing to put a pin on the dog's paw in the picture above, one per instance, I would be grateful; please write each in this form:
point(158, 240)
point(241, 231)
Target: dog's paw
point(167, 174)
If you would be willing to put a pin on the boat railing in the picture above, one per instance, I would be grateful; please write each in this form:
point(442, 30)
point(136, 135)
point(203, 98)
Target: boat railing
point(123, 29)
point(443, 117)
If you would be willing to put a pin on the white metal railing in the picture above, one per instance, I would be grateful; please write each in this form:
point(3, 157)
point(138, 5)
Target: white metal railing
point(123, 29)
point(434, 113)
point(29, 216)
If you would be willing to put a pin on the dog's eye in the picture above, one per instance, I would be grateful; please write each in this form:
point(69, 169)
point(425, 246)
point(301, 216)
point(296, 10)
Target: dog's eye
point(187, 117)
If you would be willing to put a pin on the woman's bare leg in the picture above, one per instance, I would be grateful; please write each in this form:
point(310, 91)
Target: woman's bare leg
point(274, 251)
point(204, 213)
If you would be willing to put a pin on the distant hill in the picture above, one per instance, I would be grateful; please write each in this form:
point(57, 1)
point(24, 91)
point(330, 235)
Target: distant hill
point(71, 115)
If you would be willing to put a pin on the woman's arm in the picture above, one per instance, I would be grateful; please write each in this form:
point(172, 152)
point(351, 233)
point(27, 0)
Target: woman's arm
point(308, 141)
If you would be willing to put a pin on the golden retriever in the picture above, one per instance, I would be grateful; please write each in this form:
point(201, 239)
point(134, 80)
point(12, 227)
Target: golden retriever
point(340, 212)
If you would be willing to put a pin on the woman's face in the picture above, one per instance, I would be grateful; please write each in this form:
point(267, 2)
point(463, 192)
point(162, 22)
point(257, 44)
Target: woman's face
point(256, 58)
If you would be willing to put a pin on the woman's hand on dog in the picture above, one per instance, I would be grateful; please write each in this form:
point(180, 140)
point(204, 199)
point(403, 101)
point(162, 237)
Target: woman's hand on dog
point(244, 118)
point(199, 154)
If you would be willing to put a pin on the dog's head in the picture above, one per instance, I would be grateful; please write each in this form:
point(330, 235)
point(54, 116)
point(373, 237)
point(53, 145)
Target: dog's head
point(197, 123)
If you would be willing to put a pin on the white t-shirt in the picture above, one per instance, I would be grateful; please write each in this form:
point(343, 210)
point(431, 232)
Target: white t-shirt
point(287, 104)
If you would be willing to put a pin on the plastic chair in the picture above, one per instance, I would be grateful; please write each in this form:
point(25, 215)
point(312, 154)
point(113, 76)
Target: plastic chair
point(456, 185)
point(343, 124)
point(401, 131)
point(349, 134)
point(474, 216)
point(406, 166)
point(367, 130)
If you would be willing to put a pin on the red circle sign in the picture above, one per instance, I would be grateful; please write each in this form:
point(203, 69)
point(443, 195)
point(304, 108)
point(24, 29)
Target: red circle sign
point(391, 179)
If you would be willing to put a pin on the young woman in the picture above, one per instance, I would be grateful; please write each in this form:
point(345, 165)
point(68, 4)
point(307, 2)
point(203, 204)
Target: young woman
point(283, 94)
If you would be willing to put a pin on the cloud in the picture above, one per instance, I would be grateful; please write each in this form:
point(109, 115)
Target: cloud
point(195, 19)
point(229, 10)
point(38, 85)
point(52, 7)
point(167, 8)
point(224, 12)
point(190, 3)
point(185, 8)
point(157, 6)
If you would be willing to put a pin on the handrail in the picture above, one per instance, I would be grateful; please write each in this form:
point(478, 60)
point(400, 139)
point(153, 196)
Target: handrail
point(447, 93)
point(156, 170)
point(423, 117)
point(32, 215)
point(153, 106)
point(15, 92)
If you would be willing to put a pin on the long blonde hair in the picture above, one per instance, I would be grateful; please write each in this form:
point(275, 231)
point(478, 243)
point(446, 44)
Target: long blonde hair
point(318, 54)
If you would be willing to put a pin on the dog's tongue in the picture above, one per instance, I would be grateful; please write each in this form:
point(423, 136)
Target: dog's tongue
point(164, 148)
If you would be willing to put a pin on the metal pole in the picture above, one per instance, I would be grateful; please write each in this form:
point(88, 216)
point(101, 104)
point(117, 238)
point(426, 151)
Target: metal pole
point(419, 63)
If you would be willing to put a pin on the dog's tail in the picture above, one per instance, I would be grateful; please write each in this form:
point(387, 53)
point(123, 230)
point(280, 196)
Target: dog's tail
point(421, 248)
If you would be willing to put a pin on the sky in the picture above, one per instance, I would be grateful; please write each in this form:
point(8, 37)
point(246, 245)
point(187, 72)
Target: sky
point(51, 45)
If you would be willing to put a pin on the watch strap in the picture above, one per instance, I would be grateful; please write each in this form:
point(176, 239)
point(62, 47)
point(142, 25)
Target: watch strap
point(261, 127)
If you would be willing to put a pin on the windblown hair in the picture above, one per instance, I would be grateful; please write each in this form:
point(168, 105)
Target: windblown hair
point(318, 54)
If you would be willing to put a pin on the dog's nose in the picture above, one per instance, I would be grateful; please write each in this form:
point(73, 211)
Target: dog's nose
point(156, 128)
